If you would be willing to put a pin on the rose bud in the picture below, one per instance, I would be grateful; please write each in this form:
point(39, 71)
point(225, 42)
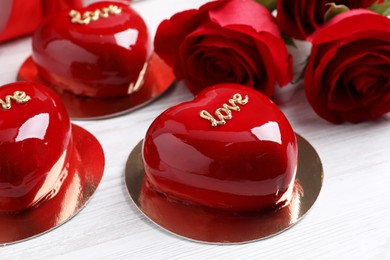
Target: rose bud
point(300, 18)
point(232, 41)
point(347, 76)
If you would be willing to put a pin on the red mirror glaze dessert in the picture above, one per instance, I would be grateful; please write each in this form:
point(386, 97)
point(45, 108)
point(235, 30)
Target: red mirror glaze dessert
point(35, 146)
point(98, 51)
point(231, 148)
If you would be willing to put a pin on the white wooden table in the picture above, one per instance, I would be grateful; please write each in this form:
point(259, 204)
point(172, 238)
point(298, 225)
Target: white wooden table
point(351, 219)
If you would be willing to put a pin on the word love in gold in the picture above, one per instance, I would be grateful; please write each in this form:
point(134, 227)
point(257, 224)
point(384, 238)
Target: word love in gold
point(19, 97)
point(87, 17)
point(225, 112)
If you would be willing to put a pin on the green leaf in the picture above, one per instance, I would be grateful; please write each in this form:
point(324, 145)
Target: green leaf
point(381, 8)
point(334, 10)
point(269, 4)
point(288, 40)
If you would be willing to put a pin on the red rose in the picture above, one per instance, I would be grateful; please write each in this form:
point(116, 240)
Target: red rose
point(225, 41)
point(300, 18)
point(22, 17)
point(348, 74)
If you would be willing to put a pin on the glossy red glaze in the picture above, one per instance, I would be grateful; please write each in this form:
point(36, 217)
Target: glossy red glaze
point(211, 225)
point(99, 59)
point(247, 164)
point(35, 146)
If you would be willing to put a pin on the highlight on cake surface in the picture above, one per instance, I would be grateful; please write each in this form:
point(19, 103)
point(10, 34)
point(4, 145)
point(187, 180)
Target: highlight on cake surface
point(242, 157)
point(35, 146)
point(99, 51)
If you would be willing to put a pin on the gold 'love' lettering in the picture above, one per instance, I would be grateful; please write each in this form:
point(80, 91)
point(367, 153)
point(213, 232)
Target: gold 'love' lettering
point(87, 17)
point(19, 97)
point(225, 112)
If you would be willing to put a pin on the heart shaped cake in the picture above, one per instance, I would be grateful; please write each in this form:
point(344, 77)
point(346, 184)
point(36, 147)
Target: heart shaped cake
point(99, 51)
point(231, 148)
point(35, 146)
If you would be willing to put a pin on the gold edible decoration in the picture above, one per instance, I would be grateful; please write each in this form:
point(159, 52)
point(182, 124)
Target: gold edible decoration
point(225, 112)
point(19, 97)
point(87, 17)
point(135, 86)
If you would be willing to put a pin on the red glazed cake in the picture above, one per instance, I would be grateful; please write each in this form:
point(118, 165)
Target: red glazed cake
point(231, 148)
point(98, 51)
point(35, 146)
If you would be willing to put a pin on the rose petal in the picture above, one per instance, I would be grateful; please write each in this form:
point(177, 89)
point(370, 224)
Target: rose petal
point(344, 24)
point(329, 70)
point(288, 21)
point(268, 85)
point(297, 18)
point(244, 12)
point(348, 54)
point(241, 53)
point(315, 92)
point(174, 31)
point(236, 59)
point(281, 59)
point(249, 27)
point(202, 66)
point(308, 13)
point(215, 36)
point(347, 95)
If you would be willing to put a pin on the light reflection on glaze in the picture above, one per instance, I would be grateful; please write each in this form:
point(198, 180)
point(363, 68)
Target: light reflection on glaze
point(268, 132)
point(72, 192)
point(35, 139)
point(54, 179)
point(34, 127)
point(127, 38)
point(248, 164)
point(100, 59)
